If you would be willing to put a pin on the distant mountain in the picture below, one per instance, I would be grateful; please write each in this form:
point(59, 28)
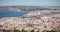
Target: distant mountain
point(28, 8)
point(51, 6)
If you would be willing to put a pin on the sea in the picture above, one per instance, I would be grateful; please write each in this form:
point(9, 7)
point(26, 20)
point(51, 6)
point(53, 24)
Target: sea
point(12, 14)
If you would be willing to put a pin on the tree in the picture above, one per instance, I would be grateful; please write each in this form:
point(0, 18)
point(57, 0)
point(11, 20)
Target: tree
point(37, 31)
point(15, 30)
point(32, 31)
point(6, 30)
point(24, 30)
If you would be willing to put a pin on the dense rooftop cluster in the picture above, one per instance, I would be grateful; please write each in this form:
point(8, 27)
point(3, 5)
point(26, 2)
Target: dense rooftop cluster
point(33, 21)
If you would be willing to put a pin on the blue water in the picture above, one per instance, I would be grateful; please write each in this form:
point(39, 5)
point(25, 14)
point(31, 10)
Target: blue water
point(11, 14)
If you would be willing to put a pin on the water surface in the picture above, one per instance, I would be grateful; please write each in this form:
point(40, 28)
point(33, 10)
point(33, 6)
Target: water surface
point(11, 14)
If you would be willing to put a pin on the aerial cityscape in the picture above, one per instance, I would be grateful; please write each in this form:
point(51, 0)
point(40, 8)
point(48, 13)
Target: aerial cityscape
point(29, 16)
point(40, 19)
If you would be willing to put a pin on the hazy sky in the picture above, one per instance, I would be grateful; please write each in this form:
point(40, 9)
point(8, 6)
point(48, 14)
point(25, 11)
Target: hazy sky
point(30, 2)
